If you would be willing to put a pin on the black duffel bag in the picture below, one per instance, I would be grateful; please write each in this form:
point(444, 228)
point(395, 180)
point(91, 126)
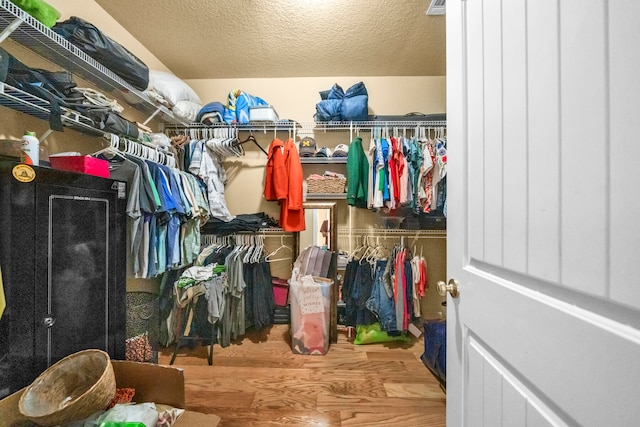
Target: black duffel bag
point(109, 121)
point(88, 38)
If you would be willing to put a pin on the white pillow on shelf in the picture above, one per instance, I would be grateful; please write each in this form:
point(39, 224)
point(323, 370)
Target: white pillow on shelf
point(172, 88)
point(187, 110)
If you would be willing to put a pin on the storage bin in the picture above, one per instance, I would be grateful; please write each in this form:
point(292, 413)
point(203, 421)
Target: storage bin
point(280, 292)
point(310, 314)
point(263, 113)
point(326, 185)
point(81, 164)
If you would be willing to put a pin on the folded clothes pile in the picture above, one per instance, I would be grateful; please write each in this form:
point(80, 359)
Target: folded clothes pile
point(242, 222)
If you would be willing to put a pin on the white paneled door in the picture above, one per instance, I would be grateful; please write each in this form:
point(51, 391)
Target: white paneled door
point(543, 106)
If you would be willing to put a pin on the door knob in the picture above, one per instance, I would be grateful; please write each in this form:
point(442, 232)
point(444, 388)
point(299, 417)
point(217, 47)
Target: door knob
point(451, 287)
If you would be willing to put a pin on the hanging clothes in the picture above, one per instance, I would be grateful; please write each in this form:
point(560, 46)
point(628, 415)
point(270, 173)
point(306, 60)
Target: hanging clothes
point(387, 189)
point(380, 302)
point(214, 175)
point(394, 173)
point(291, 210)
point(401, 172)
point(244, 299)
point(420, 282)
point(209, 281)
point(379, 175)
point(426, 189)
point(415, 162)
point(283, 182)
point(275, 186)
point(357, 175)
point(383, 289)
point(165, 209)
point(123, 169)
point(371, 172)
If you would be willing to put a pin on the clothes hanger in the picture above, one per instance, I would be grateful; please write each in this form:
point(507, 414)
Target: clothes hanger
point(248, 257)
point(242, 245)
point(112, 148)
point(235, 148)
point(234, 243)
point(358, 249)
point(222, 242)
point(231, 146)
point(252, 138)
point(379, 251)
point(282, 246)
point(365, 255)
point(259, 251)
point(211, 243)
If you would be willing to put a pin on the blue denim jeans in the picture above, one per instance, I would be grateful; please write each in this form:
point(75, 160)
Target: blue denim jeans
point(408, 274)
point(362, 292)
point(380, 303)
point(348, 286)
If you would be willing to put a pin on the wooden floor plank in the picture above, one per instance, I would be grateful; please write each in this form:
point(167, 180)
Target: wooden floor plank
point(258, 381)
point(378, 404)
point(412, 390)
point(396, 355)
point(413, 419)
point(262, 417)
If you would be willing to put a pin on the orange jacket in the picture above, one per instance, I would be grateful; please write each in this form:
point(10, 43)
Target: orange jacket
point(291, 210)
point(275, 186)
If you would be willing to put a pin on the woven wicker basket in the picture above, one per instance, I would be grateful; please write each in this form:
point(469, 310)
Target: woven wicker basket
point(326, 185)
point(70, 390)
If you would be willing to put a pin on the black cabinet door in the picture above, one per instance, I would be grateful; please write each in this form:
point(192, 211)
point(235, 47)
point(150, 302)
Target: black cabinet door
point(63, 256)
point(74, 288)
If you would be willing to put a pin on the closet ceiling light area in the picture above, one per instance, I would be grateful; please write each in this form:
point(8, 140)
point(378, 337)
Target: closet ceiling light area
point(203, 39)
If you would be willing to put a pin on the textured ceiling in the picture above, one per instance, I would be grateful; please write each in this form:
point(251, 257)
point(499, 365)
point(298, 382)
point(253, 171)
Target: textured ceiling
point(210, 39)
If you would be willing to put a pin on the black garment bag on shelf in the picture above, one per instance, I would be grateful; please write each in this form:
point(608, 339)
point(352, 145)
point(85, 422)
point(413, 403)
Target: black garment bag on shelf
point(112, 55)
point(109, 121)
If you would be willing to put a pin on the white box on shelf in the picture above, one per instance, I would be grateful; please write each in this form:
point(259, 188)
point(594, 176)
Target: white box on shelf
point(263, 113)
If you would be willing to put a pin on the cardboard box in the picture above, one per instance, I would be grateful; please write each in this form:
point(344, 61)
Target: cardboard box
point(153, 383)
point(82, 164)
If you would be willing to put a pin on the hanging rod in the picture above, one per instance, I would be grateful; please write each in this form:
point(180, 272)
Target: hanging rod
point(370, 124)
point(311, 126)
point(140, 149)
point(267, 231)
point(252, 127)
point(381, 232)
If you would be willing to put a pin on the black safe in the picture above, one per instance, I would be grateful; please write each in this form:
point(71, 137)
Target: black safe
point(63, 263)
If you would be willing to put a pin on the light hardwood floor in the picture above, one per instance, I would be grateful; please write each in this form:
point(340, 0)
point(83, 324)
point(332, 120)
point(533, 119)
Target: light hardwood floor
point(258, 381)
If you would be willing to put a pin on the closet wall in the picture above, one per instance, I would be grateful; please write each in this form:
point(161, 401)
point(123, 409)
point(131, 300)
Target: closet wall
point(295, 98)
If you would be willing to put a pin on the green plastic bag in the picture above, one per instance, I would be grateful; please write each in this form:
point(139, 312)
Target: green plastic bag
point(40, 10)
point(372, 334)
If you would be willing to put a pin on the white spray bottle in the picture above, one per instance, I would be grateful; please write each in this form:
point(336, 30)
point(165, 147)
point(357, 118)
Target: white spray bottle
point(31, 149)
